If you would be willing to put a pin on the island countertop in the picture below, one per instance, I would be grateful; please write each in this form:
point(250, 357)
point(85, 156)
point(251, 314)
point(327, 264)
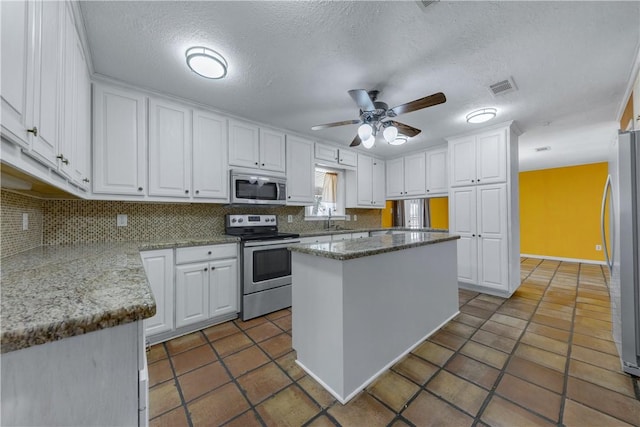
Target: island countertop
point(54, 292)
point(358, 248)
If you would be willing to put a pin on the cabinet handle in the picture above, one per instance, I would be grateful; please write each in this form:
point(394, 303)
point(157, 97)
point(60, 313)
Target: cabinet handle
point(85, 180)
point(473, 235)
point(478, 180)
point(256, 163)
point(206, 269)
point(427, 190)
point(262, 164)
point(139, 188)
point(479, 235)
point(472, 181)
point(197, 191)
point(209, 253)
point(186, 191)
point(288, 197)
point(33, 130)
point(213, 268)
point(62, 159)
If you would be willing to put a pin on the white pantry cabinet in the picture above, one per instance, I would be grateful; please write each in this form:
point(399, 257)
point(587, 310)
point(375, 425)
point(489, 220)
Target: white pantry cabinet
point(158, 265)
point(478, 159)
point(210, 177)
point(119, 141)
point(169, 149)
point(437, 172)
point(406, 177)
point(253, 147)
point(326, 154)
point(365, 186)
point(300, 171)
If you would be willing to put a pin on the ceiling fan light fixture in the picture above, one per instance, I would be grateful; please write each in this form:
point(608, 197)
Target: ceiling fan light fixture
point(390, 133)
point(368, 143)
point(206, 62)
point(400, 139)
point(482, 115)
point(364, 131)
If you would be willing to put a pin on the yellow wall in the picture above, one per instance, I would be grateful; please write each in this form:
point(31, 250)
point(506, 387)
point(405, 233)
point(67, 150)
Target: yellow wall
point(560, 211)
point(439, 208)
point(387, 217)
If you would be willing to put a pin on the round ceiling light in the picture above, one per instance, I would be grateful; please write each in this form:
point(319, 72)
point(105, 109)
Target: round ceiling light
point(368, 143)
point(390, 133)
point(364, 131)
point(206, 62)
point(400, 139)
point(481, 116)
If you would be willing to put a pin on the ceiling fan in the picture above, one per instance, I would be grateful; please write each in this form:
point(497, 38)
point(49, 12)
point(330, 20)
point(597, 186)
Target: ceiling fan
point(373, 114)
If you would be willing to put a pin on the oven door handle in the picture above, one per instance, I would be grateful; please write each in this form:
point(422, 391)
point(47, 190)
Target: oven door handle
point(272, 244)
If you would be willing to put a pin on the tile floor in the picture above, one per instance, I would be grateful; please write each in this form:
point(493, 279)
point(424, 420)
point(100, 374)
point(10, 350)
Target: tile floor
point(542, 357)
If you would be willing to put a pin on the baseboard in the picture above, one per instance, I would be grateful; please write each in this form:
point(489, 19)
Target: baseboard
point(556, 258)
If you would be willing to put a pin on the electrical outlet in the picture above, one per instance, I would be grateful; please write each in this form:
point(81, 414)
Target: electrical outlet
point(598, 247)
point(121, 220)
point(25, 221)
point(347, 217)
point(289, 218)
point(355, 217)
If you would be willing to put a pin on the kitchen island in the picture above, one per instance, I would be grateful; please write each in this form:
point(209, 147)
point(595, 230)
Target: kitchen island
point(360, 305)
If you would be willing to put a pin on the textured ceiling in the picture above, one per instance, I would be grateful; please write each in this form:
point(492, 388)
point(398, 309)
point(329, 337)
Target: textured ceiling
point(292, 63)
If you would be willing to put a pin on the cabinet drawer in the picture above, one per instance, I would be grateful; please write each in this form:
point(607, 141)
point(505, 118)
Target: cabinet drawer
point(206, 253)
point(316, 239)
point(359, 235)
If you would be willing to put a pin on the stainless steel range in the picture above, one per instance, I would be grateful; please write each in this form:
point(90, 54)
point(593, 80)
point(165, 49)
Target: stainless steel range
point(265, 261)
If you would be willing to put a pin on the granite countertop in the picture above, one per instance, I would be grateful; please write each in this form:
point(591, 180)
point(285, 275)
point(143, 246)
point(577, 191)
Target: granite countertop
point(357, 248)
point(53, 292)
point(365, 230)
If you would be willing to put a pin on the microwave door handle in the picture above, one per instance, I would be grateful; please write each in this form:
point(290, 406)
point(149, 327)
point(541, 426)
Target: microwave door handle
point(278, 191)
point(605, 193)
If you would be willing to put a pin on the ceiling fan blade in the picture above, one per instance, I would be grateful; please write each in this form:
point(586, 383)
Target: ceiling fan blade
point(419, 104)
point(331, 125)
point(362, 98)
point(405, 129)
point(356, 141)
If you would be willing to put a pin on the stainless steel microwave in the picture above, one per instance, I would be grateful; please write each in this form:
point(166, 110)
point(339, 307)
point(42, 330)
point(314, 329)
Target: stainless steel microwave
point(257, 189)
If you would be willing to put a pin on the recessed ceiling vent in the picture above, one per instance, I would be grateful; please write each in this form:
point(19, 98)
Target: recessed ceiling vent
point(424, 3)
point(503, 87)
point(539, 149)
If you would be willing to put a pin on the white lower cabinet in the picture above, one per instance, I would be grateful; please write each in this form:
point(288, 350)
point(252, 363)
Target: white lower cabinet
point(192, 293)
point(158, 265)
point(223, 287)
point(316, 239)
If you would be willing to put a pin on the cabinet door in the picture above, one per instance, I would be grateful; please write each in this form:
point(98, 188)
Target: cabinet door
point(223, 287)
point(272, 150)
point(17, 67)
point(395, 178)
point(437, 171)
point(364, 183)
point(244, 147)
point(462, 221)
point(636, 103)
point(347, 158)
point(82, 96)
point(493, 258)
point(414, 175)
point(192, 293)
point(169, 149)
point(326, 153)
point(462, 158)
point(158, 265)
point(210, 175)
point(339, 237)
point(491, 152)
point(377, 182)
point(300, 171)
point(119, 137)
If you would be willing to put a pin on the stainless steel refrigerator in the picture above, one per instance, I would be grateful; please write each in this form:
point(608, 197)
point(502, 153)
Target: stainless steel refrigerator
point(622, 246)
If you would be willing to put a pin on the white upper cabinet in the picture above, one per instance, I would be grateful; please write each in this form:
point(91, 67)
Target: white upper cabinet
point(406, 177)
point(478, 159)
point(300, 171)
point(210, 177)
point(169, 149)
point(119, 141)
point(395, 178)
point(326, 154)
point(437, 172)
point(252, 147)
point(365, 186)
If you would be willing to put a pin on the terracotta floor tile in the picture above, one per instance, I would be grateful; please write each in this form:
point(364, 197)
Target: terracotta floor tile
point(486, 305)
point(321, 421)
point(594, 315)
point(393, 389)
point(415, 368)
point(543, 357)
point(220, 331)
point(263, 382)
point(476, 312)
point(264, 331)
point(159, 371)
point(536, 373)
point(461, 393)
point(615, 404)
point(549, 306)
point(232, 344)
point(162, 398)
point(501, 413)
point(492, 298)
point(245, 360)
point(524, 314)
point(480, 352)
point(468, 320)
point(545, 343)
point(290, 407)
point(602, 334)
point(591, 307)
point(593, 343)
point(602, 360)
point(552, 321)
point(288, 363)
point(445, 339)
point(502, 330)
point(278, 314)
point(472, 370)
point(509, 321)
point(593, 323)
point(248, 419)
point(494, 341)
point(537, 399)
point(429, 411)
point(185, 342)
point(555, 314)
point(284, 322)
point(250, 323)
point(460, 328)
point(321, 396)
point(577, 415)
point(433, 353)
point(549, 332)
point(202, 380)
point(277, 346)
point(156, 352)
point(218, 406)
point(362, 410)
point(175, 418)
point(603, 377)
point(194, 358)
point(593, 301)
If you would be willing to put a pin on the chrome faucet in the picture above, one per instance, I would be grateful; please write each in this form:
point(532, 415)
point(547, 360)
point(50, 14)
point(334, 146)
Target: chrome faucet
point(328, 225)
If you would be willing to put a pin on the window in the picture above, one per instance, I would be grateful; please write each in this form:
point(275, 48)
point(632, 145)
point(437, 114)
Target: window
point(328, 194)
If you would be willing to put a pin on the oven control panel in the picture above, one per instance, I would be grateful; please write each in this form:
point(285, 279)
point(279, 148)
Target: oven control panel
point(251, 220)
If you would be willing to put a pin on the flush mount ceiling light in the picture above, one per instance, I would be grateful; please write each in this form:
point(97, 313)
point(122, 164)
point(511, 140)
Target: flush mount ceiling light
point(206, 62)
point(400, 139)
point(481, 116)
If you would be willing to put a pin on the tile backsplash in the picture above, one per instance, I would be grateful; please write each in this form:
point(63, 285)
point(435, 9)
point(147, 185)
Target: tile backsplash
point(13, 238)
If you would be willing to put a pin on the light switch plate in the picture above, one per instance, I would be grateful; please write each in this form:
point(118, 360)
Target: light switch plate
point(289, 218)
point(348, 217)
point(122, 220)
point(25, 221)
point(355, 217)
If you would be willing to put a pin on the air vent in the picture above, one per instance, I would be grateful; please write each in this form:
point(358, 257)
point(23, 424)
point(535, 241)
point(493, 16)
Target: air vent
point(424, 3)
point(539, 149)
point(503, 87)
